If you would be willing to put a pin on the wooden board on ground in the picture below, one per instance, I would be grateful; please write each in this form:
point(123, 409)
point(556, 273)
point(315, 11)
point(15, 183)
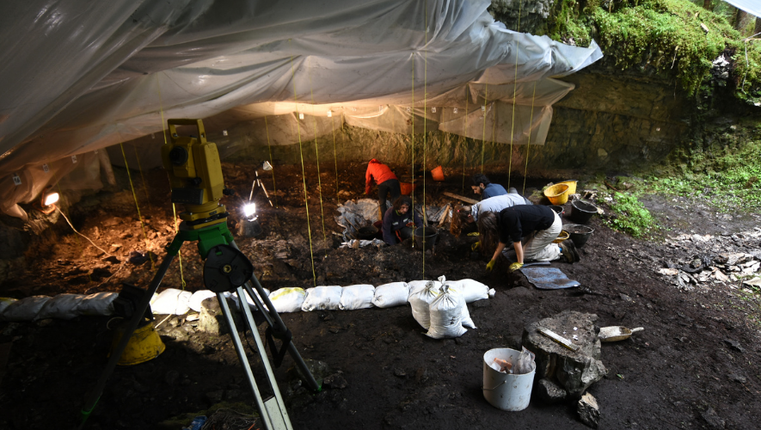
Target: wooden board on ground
point(465, 199)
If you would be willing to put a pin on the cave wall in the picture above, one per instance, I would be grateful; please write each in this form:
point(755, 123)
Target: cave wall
point(609, 122)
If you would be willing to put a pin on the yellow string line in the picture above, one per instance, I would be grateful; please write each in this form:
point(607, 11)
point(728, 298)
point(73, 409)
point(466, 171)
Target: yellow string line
point(142, 177)
point(425, 132)
point(303, 172)
point(515, 87)
point(528, 145)
point(465, 117)
point(134, 196)
point(412, 140)
point(494, 132)
point(274, 186)
point(335, 156)
point(174, 207)
point(483, 134)
point(317, 157)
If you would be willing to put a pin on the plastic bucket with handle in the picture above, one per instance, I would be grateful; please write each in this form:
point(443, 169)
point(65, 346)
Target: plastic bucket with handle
point(506, 391)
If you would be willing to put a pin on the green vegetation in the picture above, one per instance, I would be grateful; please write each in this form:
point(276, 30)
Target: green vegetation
point(671, 37)
point(630, 215)
point(728, 178)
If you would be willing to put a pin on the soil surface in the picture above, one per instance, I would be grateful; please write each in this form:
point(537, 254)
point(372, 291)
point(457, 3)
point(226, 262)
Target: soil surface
point(695, 365)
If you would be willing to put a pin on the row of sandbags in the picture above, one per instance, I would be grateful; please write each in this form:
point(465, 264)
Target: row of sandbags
point(62, 306)
point(172, 301)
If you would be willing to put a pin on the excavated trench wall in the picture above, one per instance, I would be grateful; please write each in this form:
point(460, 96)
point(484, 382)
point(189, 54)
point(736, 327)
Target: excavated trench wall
point(608, 123)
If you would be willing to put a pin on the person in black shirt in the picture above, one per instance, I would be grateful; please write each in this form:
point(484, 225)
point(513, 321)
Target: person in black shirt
point(539, 225)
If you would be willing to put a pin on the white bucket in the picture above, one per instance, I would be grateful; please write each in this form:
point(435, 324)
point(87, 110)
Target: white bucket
point(503, 390)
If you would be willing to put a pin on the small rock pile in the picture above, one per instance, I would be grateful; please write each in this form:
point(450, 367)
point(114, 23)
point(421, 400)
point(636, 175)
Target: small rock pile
point(700, 261)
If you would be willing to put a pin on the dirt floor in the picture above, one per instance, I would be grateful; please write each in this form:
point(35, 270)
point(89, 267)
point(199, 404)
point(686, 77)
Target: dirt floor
point(695, 365)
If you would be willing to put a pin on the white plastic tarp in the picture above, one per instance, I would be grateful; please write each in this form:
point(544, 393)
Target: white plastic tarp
point(753, 7)
point(79, 75)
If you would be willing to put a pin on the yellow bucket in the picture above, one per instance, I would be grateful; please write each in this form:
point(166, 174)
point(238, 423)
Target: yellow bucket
point(558, 194)
point(571, 186)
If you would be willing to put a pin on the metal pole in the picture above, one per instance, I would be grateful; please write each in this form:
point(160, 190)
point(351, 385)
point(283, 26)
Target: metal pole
point(92, 399)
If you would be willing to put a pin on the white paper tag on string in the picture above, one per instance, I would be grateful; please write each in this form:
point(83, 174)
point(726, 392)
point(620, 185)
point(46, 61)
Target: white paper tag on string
point(45, 168)
point(73, 159)
point(16, 179)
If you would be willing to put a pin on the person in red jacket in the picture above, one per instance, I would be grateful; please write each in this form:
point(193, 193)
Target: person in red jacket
point(386, 180)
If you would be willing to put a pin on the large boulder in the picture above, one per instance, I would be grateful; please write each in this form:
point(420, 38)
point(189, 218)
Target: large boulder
point(572, 370)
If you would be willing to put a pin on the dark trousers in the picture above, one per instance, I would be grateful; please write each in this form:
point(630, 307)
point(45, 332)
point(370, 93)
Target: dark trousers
point(388, 187)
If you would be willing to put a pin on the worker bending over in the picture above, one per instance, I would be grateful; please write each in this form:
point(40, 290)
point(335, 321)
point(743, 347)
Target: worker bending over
point(465, 217)
point(399, 221)
point(386, 180)
point(539, 223)
point(486, 189)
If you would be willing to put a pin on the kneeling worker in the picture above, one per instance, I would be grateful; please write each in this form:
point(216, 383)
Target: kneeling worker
point(540, 223)
point(466, 216)
point(399, 221)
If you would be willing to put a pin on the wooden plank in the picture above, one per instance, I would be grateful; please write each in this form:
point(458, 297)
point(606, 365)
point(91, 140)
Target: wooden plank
point(559, 339)
point(464, 199)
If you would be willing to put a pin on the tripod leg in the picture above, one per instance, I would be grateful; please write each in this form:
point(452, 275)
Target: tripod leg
point(278, 326)
point(261, 184)
point(273, 319)
point(92, 398)
point(264, 412)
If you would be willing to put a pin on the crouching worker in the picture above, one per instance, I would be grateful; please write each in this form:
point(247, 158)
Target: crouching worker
point(387, 182)
point(540, 224)
point(399, 222)
point(466, 216)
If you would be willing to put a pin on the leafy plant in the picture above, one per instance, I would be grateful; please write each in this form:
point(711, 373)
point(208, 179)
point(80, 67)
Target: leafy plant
point(631, 216)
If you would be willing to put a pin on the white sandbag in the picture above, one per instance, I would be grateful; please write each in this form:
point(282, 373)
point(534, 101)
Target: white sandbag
point(415, 286)
point(171, 302)
point(420, 301)
point(62, 306)
point(249, 300)
point(98, 304)
point(391, 294)
point(446, 315)
point(288, 299)
point(323, 298)
point(199, 296)
point(25, 309)
point(466, 320)
point(6, 301)
point(471, 290)
point(358, 296)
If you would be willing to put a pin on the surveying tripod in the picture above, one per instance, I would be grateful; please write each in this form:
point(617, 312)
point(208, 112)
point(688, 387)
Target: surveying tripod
point(258, 182)
point(226, 269)
point(196, 179)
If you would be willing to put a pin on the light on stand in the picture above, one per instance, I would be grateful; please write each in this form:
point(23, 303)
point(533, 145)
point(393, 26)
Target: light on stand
point(249, 211)
point(48, 200)
point(250, 226)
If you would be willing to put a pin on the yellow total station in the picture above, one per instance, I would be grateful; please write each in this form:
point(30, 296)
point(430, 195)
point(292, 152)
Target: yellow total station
point(195, 174)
